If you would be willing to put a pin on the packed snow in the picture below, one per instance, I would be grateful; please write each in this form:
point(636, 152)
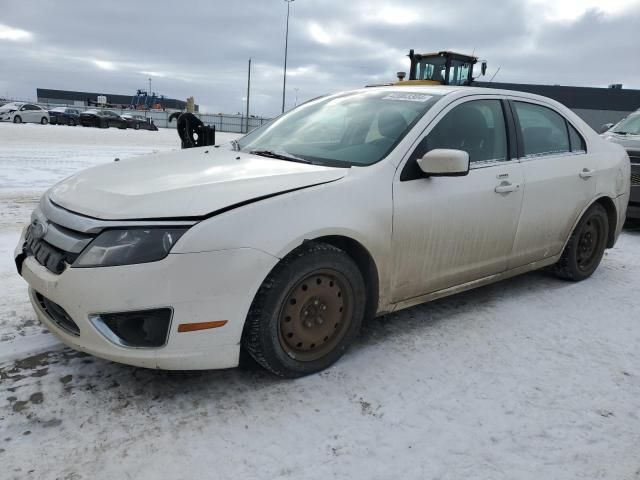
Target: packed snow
point(532, 378)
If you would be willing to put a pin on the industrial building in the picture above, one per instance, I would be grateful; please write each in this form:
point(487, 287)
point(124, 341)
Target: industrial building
point(83, 99)
point(596, 106)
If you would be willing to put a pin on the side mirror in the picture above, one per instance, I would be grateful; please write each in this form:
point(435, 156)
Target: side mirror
point(443, 162)
point(483, 68)
point(606, 127)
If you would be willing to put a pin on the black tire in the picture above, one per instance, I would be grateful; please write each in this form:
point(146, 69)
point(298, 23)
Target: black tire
point(336, 293)
point(136, 126)
point(44, 121)
point(72, 122)
point(585, 248)
point(17, 119)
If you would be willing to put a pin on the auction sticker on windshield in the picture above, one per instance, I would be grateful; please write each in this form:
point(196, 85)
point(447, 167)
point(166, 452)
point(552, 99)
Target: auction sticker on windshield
point(408, 97)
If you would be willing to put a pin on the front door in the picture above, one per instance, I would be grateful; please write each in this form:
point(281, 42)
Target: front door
point(451, 230)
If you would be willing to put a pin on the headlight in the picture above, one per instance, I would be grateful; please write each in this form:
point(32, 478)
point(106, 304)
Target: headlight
point(126, 247)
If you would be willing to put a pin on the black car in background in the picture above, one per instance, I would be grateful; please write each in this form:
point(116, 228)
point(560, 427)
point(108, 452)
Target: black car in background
point(64, 116)
point(138, 122)
point(102, 119)
point(627, 133)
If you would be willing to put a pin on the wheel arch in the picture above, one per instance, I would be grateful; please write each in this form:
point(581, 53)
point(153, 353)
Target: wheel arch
point(612, 215)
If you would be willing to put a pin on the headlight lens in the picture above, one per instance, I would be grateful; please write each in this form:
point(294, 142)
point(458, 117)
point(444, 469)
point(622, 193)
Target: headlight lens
point(130, 246)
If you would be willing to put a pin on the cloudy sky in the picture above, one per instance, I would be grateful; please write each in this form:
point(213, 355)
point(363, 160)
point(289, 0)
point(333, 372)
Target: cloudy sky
point(201, 47)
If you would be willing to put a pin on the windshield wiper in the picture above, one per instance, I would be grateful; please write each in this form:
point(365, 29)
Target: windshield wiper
point(279, 156)
point(620, 132)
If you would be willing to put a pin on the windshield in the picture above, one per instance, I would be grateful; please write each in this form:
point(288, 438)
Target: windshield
point(355, 128)
point(629, 125)
point(59, 109)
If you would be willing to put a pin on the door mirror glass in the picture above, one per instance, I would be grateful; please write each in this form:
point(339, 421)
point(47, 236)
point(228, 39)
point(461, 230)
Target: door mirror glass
point(443, 162)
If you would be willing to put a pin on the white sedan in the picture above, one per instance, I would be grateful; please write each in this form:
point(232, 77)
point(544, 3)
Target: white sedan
point(348, 206)
point(23, 113)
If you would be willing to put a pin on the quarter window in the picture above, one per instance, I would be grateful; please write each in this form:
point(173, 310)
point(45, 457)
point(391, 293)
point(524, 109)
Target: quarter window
point(544, 131)
point(577, 142)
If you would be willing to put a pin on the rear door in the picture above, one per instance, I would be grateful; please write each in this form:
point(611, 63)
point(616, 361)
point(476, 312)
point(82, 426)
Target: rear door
point(452, 230)
point(559, 182)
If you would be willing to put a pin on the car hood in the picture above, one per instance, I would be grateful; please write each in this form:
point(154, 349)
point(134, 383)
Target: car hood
point(184, 183)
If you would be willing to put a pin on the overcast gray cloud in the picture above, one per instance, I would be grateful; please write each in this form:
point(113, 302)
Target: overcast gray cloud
point(201, 48)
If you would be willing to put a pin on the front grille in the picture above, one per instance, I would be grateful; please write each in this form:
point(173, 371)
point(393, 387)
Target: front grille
point(58, 315)
point(54, 259)
point(635, 179)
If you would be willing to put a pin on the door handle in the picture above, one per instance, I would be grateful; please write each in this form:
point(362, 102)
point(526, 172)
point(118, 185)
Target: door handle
point(506, 187)
point(586, 173)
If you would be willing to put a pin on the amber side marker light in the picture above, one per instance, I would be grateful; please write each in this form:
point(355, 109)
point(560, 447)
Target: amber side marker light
point(193, 327)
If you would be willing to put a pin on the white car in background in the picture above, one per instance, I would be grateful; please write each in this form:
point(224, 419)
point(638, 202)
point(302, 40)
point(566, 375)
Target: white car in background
point(351, 205)
point(23, 113)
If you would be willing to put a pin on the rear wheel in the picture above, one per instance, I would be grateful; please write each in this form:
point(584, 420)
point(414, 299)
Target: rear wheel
point(44, 121)
point(586, 246)
point(17, 119)
point(72, 122)
point(136, 126)
point(307, 311)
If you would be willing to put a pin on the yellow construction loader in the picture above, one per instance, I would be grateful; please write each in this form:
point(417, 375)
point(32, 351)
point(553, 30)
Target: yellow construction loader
point(440, 68)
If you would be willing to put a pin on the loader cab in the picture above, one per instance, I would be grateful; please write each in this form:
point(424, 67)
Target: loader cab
point(441, 68)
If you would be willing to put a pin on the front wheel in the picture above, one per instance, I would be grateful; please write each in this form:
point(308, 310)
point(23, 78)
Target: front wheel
point(307, 311)
point(44, 121)
point(72, 122)
point(17, 119)
point(585, 248)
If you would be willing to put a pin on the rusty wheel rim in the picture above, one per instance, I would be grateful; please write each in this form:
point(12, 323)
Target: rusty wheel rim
point(315, 315)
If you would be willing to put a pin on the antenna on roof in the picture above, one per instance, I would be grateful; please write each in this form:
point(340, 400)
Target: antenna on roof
point(494, 75)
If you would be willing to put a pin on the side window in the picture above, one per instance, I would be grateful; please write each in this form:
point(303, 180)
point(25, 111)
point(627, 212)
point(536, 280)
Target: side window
point(577, 142)
point(477, 127)
point(544, 131)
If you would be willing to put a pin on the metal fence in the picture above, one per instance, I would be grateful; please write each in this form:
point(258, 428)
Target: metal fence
point(223, 122)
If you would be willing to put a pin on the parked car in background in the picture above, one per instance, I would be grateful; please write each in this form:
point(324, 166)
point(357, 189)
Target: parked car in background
point(138, 122)
point(351, 205)
point(102, 119)
point(64, 116)
point(23, 113)
point(627, 133)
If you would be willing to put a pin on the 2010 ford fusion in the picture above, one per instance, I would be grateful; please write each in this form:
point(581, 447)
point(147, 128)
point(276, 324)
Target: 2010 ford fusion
point(348, 206)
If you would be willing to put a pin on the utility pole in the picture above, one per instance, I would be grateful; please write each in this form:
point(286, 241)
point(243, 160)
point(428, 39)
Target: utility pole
point(248, 94)
point(286, 45)
point(149, 85)
point(296, 102)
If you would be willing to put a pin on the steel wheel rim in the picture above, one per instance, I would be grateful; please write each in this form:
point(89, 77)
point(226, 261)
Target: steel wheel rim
point(315, 315)
point(589, 240)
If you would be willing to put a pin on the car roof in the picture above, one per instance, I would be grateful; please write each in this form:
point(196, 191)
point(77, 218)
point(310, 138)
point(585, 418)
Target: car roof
point(462, 91)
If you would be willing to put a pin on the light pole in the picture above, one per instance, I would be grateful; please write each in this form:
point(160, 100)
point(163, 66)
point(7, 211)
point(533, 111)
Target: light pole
point(286, 45)
point(296, 103)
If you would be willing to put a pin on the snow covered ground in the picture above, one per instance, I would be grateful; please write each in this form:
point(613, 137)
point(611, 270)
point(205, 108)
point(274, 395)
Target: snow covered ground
point(532, 378)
